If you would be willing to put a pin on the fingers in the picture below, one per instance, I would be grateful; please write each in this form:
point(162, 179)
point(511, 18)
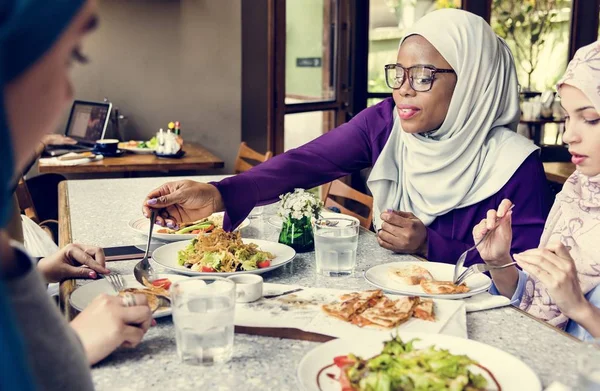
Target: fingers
point(132, 336)
point(395, 218)
point(490, 219)
point(137, 315)
point(504, 207)
point(385, 244)
point(480, 230)
point(560, 250)
point(80, 256)
point(392, 239)
point(537, 259)
point(148, 204)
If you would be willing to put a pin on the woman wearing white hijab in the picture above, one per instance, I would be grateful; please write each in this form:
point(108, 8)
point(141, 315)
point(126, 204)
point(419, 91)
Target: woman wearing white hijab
point(443, 150)
point(561, 277)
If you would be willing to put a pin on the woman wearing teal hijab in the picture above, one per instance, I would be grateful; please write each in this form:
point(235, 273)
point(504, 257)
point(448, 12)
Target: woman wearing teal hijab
point(39, 40)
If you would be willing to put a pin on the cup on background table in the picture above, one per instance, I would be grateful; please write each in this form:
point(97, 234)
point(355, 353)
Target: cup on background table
point(336, 242)
point(107, 146)
point(588, 366)
point(203, 316)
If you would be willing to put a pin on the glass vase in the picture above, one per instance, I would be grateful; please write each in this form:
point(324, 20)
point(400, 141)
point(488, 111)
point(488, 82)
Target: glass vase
point(297, 234)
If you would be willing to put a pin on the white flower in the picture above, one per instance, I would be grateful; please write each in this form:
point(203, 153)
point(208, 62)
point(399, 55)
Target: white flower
point(299, 204)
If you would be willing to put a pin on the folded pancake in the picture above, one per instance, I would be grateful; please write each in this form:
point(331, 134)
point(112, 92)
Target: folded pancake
point(352, 303)
point(387, 313)
point(443, 287)
point(411, 275)
point(424, 310)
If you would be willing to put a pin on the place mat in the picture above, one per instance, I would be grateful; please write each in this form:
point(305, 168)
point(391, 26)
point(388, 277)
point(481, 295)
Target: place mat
point(54, 161)
point(485, 301)
point(302, 311)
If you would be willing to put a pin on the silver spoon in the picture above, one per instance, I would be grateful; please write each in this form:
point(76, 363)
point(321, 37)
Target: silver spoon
point(143, 267)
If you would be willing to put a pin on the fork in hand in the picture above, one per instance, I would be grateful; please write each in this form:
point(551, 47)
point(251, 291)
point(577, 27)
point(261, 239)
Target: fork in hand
point(463, 256)
point(479, 268)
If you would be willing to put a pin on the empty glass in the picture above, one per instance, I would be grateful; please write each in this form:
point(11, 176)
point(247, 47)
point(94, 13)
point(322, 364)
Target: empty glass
point(336, 241)
point(588, 366)
point(203, 315)
point(257, 212)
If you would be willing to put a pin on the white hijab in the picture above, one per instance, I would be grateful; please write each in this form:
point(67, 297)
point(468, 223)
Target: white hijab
point(476, 150)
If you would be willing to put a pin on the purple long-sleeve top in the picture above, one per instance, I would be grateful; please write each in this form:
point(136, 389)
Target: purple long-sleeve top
point(356, 145)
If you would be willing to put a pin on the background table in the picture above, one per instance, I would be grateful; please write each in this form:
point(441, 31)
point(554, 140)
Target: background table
point(536, 127)
point(196, 158)
point(558, 172)
point(97, 212)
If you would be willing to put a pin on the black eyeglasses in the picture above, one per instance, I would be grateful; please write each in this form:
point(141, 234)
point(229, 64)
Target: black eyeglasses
point(420, 77)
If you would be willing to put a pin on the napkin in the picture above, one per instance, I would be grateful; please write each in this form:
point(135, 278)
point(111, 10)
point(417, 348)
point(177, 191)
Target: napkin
point(55, 161)
point(485, 301)
point(556, 386)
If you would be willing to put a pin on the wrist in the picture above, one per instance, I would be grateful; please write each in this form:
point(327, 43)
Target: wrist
point(580, 312)
point(500, 260)
point(218, 204)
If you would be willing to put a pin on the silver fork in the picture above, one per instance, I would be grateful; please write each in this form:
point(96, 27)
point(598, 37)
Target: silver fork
point(479, 268)
point(463, 256)
point(143, 269)
point(116, 281)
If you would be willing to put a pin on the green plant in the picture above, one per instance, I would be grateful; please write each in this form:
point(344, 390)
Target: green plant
point(527, 24)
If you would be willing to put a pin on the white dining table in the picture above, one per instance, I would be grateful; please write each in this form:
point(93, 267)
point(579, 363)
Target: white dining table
point(97, 212)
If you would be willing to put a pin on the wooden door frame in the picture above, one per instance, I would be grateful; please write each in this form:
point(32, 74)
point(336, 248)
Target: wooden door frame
point(277, 108)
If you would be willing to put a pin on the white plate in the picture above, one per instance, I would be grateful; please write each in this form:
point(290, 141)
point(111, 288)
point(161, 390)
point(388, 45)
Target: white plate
point(381, 277)
point(277, 222)
point(141, 226)
point(511, 373)
point(85, 294)
point(166, 256)
point(141, 151)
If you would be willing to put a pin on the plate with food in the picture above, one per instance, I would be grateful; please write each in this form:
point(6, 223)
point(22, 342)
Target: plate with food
point(186, 231)
point(223, 253)
point(140, 147)
point(413, 361)
point(85, 294)
point(425, 279)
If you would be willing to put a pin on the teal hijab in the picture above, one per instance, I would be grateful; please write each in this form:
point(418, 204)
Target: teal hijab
point(28, 29)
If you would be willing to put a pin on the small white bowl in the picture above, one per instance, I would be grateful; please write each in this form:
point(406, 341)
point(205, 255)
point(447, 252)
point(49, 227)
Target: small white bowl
point(248, 287)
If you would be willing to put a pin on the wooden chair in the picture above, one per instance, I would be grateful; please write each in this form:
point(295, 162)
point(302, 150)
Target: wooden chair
point(246, 153)
point(25, 203)
point(340, 189)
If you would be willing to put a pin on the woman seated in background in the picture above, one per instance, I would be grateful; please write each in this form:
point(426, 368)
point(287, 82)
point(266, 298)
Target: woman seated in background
point(39, 40)
point(559, 281)
point(443, 150)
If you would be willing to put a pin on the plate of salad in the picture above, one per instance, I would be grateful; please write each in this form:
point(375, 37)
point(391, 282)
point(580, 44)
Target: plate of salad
point(223, 254)
point(186, 231)
point(413, 361)
point(140, 147)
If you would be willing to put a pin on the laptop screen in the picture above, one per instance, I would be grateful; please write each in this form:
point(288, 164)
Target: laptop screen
point(88, 121)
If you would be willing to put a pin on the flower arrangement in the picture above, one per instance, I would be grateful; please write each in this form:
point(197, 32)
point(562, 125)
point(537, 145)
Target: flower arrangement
point(299, 204)
point(297, 209)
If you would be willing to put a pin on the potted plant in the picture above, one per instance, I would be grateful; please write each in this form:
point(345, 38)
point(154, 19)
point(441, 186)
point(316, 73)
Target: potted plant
point(297, 210)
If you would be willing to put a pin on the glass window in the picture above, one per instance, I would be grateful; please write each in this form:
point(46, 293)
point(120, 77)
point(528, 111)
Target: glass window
point(537, 32)
point(387, 21)
point(300, 128)
point(309, 51)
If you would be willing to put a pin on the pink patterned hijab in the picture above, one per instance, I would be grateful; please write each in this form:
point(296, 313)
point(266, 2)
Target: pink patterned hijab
point(575, 216)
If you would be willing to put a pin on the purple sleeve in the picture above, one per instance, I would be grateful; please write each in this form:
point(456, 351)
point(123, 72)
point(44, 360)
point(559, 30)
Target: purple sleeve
point(527, 189)
point(341, 151)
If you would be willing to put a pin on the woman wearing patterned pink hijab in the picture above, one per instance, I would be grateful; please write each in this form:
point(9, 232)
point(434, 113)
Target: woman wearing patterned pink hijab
point(560, 280)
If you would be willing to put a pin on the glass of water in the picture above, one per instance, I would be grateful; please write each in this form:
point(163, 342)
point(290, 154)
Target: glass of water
point(336, 241)
point(588, 366)
point(203, 313)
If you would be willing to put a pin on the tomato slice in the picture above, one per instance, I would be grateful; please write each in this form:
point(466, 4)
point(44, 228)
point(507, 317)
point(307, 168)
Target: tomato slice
point(164, 283)
point(342, 361)
point(209, 228)
point(263, 264)
point(207, 269)
point(196, 231)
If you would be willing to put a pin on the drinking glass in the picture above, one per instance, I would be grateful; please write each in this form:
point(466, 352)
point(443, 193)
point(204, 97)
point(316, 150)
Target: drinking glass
point(257, 212)
point(336, 241)
point(588, 366)
point(203, 313)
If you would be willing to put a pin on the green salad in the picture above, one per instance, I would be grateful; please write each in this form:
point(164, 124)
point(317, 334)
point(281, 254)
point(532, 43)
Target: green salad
point(151, 144)
point(402, 367)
